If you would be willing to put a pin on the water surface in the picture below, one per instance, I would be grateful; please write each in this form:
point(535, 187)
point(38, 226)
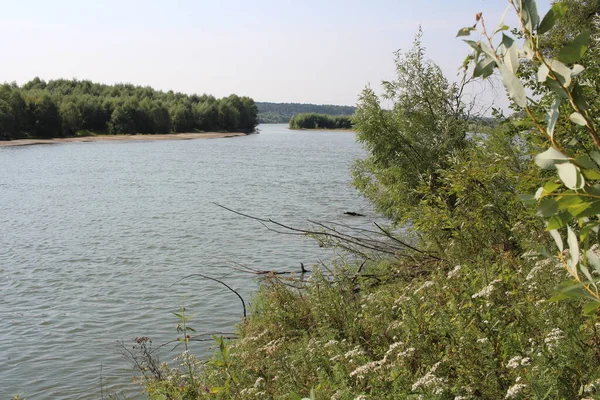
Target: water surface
point(94, 236)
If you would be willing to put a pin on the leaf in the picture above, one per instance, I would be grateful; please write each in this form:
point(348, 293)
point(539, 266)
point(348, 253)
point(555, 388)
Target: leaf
point(552, 116)
point(511, 58)
point(570, 175)
point(572, 52)
point(578, 119)
point(484, 68)
point(591, 174)
point(529, 15)
point(562, 71)
point(579, 97)
point(465, 31)
point(590, 308)
point(557, 239)
point(548, 207)
point(595, 156)
point(584, 161)
point(513, 86)
point(557, 11)
point(577, 70)
point(551, 186)
point(527, 199)
point(542, 73)
point(570, 290)
point(549, 158)
point(593, 260)
point(501, 26)
point(573, 250)
point(558, 221)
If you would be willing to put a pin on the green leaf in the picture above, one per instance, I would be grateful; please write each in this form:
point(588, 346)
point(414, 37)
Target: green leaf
point(570, 175)
point(484, 68)
point(465, 31)
point(570, 290)
point(584, 161)
point(548, 207)
point(562, 71)
point(549, 158)
point(511, 57)
point(527, 199)
point(590, 308)
point(595, 156)
point(573, 52)
point(551, 186)
point(557, 11)
point(529, 15)
point(557, 239)
point(578, 119)
point(558, 221)
point(591, 174)
point(594, 209)
point(579, 97)
point(513, 86)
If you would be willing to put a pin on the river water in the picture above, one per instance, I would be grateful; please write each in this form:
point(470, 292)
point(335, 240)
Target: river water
point(95, 236)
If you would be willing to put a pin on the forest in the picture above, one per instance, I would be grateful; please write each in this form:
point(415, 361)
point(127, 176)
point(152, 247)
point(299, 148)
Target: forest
point(485, 283)
point(320, 121)
point(281, 113)
point(63, 108)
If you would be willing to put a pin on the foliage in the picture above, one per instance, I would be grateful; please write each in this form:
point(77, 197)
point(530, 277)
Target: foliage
point(320, 121)
point(569, 200)
point(410, 144)
point(281, 113)
point(63, 107)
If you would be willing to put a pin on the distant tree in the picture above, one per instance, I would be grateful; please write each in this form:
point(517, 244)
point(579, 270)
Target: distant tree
point(229, 115)
point(44, 115)
point(7, 121)
point(182, 118)
point(71, 118)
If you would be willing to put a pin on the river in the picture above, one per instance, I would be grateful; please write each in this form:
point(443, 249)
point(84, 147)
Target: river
point(94, 238)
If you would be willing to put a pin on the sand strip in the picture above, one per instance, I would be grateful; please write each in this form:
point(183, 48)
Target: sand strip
point(121, 138)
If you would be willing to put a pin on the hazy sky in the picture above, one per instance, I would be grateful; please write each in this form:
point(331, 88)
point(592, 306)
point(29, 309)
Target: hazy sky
point(282, 51)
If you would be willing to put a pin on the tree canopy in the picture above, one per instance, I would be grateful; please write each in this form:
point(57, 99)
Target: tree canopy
point(63, 107)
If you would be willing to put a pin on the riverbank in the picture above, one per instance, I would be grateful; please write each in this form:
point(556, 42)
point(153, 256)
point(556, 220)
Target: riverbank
point(127, 138)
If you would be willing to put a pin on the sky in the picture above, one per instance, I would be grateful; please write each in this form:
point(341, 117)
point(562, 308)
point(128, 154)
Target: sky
point(322, 52)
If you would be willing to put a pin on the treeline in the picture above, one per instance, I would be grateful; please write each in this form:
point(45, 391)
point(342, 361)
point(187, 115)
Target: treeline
point(320, 121)
point(62, 107)
point(281, 113)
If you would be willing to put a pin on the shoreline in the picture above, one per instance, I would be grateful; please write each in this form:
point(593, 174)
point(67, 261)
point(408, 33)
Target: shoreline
point(122, 138)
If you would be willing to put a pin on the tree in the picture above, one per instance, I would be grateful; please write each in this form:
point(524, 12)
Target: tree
point(71, 118)
point(44, 116)
point(409, 144)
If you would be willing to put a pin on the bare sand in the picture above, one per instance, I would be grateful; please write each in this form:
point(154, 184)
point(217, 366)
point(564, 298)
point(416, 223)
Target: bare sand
point(121, 138)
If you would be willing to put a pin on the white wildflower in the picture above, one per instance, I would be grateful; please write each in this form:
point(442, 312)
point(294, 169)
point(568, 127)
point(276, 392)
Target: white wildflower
point(454, 273)
point(430, 382)
point(424, 286)
point(361, 397)
point(483, 340)
point(592, 387)
point(357, 351)
point(554, 338)
point(515, 390)
point(526, 361)
point(260, 381)
point(514, 362)
point(364, 369)
point(330, 343)
point(486, 291)
point(393, 346)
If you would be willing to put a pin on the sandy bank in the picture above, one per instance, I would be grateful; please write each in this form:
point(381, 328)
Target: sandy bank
point(123, 138)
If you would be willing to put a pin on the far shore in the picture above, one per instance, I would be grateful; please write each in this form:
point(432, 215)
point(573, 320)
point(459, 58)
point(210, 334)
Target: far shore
point(122, 138)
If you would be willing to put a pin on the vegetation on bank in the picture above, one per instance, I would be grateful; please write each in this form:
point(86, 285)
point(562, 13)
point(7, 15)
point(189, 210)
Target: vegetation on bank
point(320, 121)
point(62, 108)
point(281, 113)
point(468, 307)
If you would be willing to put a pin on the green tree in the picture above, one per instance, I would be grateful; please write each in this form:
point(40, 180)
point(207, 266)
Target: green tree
point(71, 118)
point(44, 115)
point(409, 144)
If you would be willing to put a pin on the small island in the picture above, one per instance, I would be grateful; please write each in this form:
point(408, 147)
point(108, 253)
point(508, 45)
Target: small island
point(320, 121)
